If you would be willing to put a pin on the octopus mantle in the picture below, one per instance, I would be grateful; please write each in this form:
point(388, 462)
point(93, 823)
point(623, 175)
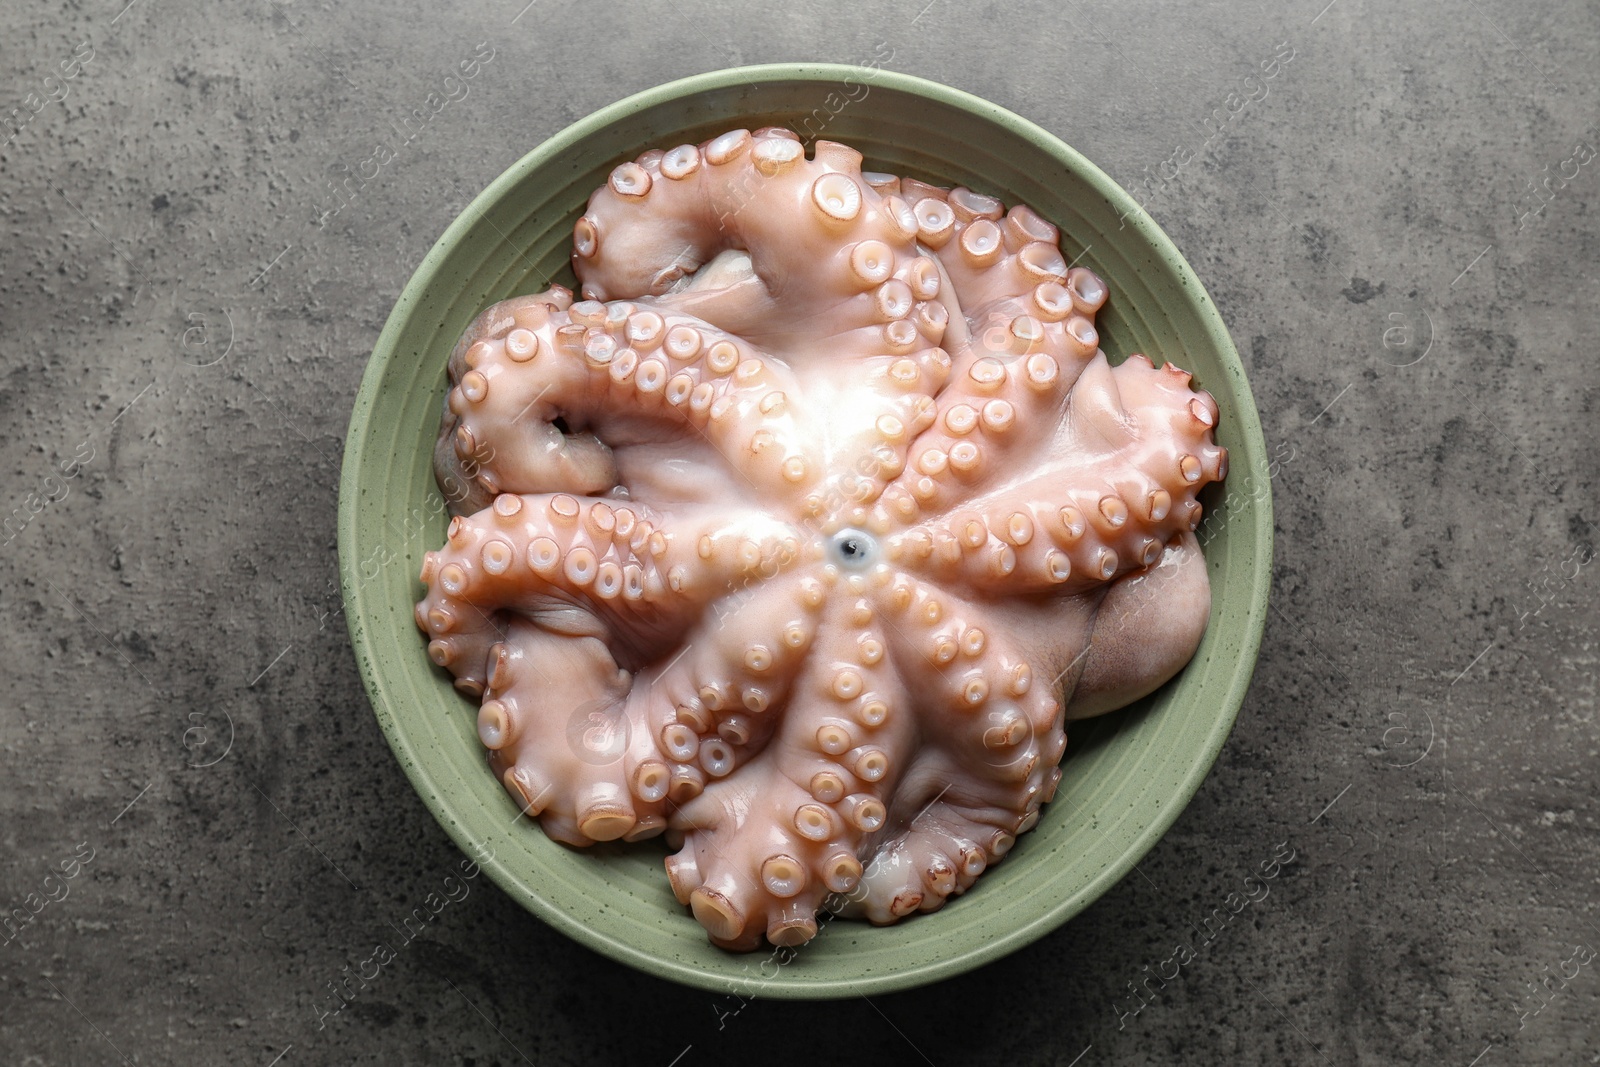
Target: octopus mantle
point(800, 536)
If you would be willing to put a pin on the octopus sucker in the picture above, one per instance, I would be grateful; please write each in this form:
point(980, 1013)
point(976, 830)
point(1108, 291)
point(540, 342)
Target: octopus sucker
point(800, 537)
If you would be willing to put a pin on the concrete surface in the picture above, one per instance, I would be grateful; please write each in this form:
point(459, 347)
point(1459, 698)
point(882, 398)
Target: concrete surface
point(1421, 730)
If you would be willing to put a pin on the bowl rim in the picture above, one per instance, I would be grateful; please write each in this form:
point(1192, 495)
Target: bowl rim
point(1246, 423)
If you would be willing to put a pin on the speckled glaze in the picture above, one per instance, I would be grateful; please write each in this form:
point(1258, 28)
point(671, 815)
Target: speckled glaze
point(1126, 777)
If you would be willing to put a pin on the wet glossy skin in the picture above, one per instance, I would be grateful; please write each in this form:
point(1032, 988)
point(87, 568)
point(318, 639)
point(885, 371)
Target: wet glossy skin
point(800, 536)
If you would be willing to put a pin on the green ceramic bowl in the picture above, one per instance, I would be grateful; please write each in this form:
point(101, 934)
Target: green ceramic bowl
point(1127, 775)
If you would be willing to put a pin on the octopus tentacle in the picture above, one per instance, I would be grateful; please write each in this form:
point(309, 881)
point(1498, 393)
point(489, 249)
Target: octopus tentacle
point(1103, 502)
point(761, 860)
point(978, 690)
point(564, 399)
point(718, 702)
point(1009, 378)
point(993, 735)
point(1028, 308)
point(852, 281)
point(637, 745)
point(662, 217)
point(591, 773)
point(579, 566)
point(945, 844)
point(474, 462)
point(1032, 334)
point(994, 257)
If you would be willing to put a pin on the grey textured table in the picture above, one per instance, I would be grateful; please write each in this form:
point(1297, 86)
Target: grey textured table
point(1399, 227)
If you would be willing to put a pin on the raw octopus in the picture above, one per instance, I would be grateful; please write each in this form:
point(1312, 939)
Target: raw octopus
point(801, 534)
